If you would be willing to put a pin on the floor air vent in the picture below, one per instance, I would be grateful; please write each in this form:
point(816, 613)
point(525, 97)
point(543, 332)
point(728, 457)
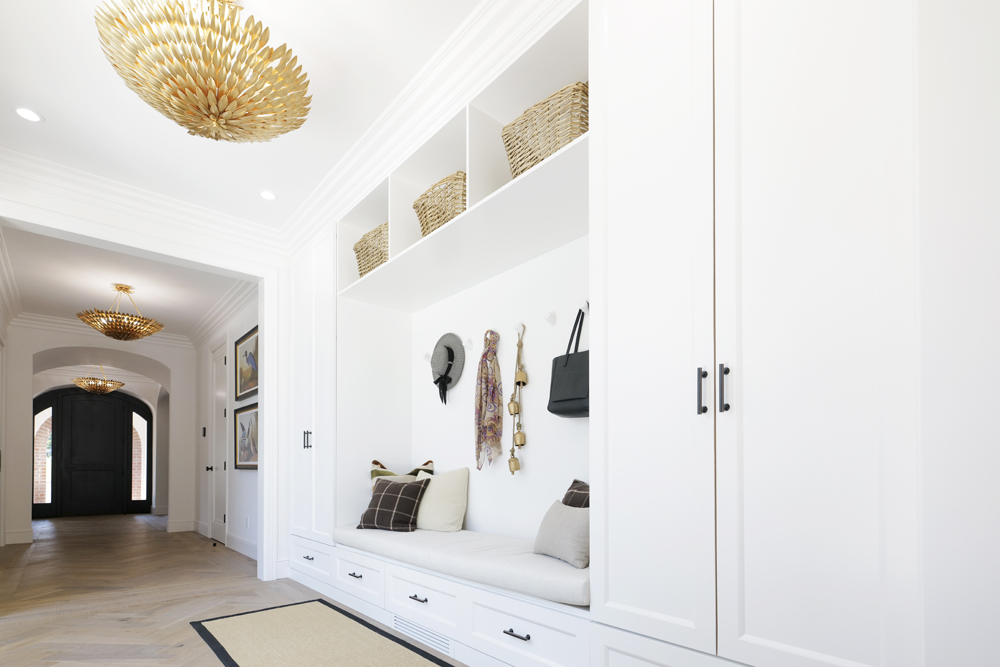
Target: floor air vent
point(435, 640)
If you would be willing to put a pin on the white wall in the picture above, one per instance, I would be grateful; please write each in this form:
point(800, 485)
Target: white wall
point(557, 449)
point(241, 506)
point(161, 455)
point(170, 365)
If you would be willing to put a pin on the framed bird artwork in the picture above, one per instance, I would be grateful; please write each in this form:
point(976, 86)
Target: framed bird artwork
point(247, 361)
point(246, 442)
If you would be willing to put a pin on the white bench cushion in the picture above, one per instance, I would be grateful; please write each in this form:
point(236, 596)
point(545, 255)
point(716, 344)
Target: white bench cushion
point(502, 562)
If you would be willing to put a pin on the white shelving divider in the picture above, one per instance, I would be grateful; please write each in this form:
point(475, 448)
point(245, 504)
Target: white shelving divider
point(545, 208)
point(370, 212)
point(442, 155)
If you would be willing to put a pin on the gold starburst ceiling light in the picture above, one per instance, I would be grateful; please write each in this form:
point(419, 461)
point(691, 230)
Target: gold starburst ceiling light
point(118, 325)
point(101, 385)
point(194, 62)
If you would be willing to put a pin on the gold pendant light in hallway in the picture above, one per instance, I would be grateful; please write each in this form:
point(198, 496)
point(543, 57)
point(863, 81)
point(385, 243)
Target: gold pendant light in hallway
point(101, 385)
point(118, 325)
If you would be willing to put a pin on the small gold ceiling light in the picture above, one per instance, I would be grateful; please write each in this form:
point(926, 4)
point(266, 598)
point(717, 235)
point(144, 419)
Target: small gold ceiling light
point(194, 62)
point(101, 385)
point(121, 326)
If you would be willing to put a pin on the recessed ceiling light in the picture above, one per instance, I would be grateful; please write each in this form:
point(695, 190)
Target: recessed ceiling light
point(28, 114)
point(268, 195)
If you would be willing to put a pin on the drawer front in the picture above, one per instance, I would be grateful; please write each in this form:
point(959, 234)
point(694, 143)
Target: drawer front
point(359, 575)
point(311, 558)
point(423, 598)
point(521, 633)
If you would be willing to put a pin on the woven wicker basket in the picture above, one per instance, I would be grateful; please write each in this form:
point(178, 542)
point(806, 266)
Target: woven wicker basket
point(373, 249)
point(444, 201)
point(546, 127)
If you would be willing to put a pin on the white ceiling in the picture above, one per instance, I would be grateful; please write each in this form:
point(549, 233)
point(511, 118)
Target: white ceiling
point(359, 56)
point(60, 278)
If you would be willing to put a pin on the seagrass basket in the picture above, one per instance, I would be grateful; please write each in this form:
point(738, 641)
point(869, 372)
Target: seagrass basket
point(444, 201)
point(546, 127)
point(373, 249)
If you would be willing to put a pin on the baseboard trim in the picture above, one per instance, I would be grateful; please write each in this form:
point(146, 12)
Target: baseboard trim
point(239, 545)
point(281, 569)
point(202, 528)
point(160, 511)
point(19, 536)
point(180, 526)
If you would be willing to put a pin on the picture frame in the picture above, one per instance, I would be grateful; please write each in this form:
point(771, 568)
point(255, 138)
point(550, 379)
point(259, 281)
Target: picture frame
point(247, 357)
point(245, 437)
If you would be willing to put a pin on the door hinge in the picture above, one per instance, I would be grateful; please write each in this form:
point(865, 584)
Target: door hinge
point(224, 411)
point(203, 431)
point(223, 518)
point(224, 464)
point(224, 361)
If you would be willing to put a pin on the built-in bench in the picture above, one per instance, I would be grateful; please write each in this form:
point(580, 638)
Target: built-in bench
point(502, 562)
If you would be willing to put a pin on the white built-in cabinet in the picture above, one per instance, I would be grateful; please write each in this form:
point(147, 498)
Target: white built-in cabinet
point(313, 453)
point(753, 216)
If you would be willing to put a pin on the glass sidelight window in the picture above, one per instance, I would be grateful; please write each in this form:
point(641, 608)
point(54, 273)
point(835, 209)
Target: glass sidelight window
point(139, 462)
point(42, 488)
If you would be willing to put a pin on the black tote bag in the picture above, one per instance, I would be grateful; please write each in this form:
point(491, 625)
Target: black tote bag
point(569, 393)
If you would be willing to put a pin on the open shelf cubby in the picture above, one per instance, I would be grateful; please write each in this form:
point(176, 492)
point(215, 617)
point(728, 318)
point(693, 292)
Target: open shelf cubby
point(507, 222)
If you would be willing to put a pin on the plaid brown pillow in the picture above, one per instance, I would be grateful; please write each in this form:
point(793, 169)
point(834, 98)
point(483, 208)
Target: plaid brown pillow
point(578, 494)
point(394, 506)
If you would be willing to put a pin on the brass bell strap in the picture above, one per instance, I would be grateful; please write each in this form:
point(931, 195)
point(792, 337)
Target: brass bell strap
point(514, 407)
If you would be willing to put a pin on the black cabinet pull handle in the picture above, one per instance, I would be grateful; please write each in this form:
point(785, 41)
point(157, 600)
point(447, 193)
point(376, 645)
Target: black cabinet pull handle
point(414, 597)
point(702, 374)
point(517, 636)
point(309, 558)
point(723, 372)
point(209, 468)
point(356, 576)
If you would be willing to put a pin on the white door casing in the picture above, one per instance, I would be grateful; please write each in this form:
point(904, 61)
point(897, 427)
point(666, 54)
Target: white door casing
point(652, 451)
point(815, 293)
point(220, 420)
point(303, 363)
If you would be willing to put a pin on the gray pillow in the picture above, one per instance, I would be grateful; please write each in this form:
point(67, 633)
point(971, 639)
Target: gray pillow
point(565, 534)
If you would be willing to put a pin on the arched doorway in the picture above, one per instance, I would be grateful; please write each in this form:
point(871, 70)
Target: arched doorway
point(92, 454)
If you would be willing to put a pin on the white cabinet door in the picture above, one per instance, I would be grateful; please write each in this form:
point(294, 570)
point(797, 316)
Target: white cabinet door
point(610, 647)
point(324, 428)
point(815, 294)
point(302, 330)
point(652, 466)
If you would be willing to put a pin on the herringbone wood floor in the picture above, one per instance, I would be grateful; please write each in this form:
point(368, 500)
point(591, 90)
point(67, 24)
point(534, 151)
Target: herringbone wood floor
point(119, 590)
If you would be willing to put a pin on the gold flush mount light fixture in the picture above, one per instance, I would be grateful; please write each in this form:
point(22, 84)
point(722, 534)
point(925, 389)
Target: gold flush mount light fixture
point(198, 65)
point(101, 385)
point(118, 325)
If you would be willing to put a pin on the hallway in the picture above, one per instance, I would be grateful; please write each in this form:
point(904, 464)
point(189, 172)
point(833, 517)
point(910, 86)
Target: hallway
point(121, 590)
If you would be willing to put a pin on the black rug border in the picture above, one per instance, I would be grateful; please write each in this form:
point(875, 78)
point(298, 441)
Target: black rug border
point(223, 655)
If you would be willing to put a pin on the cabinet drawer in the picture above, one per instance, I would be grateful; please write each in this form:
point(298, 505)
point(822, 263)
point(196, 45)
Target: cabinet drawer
point(423, 598)
point(311, 558)
point(543, 636)
point(359, 575)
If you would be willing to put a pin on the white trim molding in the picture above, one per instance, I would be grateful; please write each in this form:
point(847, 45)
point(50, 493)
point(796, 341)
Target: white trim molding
point(20, 537)
point(239, 296)
point(62, 325)
point(180, 526)
point(240, 545)
point(10, 298)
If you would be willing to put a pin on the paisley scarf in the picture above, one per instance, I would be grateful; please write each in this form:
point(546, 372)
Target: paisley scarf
point(489, 393)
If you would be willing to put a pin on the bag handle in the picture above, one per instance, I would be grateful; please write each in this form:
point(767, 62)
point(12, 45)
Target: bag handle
point(577, 331)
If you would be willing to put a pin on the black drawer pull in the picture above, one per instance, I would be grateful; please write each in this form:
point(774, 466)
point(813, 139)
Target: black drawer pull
point(355, 575)
point(517, 636)
point(414, 597)
point(309, 558)
point(723, 372)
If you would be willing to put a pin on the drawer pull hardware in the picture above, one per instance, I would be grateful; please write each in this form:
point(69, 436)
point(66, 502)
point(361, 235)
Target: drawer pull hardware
point(355, 575)
point(723, 372)
point(309, 558)
point(414, 597)
point(517, 636)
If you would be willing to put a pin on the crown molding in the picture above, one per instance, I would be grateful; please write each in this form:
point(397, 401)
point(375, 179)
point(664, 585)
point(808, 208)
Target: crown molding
point(38, 191)
point(232, 302)
point(496, 34)
point(10, 299)
point(76, 327)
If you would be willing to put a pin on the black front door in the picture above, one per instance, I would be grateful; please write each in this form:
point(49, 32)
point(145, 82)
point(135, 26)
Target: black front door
point(100, 454)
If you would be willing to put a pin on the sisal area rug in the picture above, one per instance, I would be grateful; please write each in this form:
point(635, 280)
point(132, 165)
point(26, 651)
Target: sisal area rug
point(313, 633)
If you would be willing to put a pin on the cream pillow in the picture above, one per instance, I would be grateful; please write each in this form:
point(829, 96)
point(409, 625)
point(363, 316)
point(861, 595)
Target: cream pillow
point(443, 506)
point(565, 534)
